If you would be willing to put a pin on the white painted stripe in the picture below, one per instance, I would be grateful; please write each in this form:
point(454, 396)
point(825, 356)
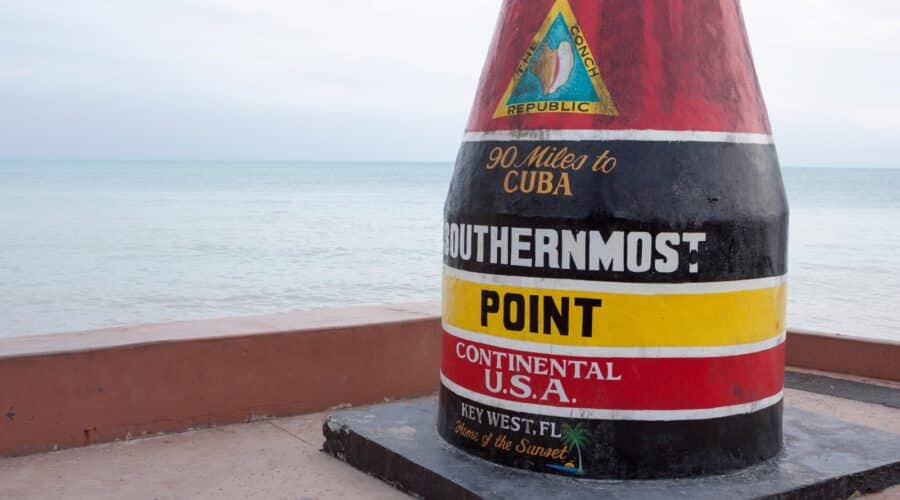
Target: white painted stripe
point(618, 135)
point(598, 414)
point(617, 287)
point(616, 352)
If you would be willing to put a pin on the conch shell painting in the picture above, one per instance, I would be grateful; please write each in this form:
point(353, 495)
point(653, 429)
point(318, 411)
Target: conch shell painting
point(554, 66)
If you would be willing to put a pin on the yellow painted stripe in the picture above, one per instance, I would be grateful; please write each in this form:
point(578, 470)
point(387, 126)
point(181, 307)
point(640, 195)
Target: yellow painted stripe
point(628, 320)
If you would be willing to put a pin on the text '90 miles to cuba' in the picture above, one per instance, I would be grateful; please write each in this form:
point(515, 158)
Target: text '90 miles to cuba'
point(545, 169)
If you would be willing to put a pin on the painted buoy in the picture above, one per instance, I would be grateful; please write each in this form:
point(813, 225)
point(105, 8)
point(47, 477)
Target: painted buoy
point(615, 244)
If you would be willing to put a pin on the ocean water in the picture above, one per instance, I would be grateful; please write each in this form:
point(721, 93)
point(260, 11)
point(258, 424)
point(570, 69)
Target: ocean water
point(94, 244)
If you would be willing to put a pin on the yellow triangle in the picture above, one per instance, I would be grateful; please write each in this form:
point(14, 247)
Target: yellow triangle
point(605, 106)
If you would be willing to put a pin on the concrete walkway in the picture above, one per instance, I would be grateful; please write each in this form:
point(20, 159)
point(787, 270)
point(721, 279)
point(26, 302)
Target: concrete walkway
point(268, 459)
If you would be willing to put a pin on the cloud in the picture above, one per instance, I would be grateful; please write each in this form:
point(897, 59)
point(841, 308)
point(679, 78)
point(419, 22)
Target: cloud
point(828, 71)
point(353, 79)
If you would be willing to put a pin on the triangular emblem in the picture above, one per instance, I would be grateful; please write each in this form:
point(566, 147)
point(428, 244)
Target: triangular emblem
point(558, 73)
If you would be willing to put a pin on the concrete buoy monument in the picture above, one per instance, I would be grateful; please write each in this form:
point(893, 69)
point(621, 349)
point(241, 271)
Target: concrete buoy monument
point(615, 245)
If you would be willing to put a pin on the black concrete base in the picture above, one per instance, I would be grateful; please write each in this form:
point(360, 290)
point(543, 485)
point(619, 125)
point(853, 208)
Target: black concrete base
point(822, 458)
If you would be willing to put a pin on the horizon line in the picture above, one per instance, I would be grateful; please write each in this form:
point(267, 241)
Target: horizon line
point(361, 162)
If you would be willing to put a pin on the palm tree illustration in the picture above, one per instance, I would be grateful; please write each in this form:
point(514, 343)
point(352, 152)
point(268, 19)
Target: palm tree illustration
point(576, 437)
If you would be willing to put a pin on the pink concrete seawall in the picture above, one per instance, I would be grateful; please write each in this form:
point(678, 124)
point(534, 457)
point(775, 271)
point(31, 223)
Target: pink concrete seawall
point(74, 389)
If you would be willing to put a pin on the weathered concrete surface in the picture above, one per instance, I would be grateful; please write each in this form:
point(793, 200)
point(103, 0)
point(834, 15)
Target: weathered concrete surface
point(869, 415)
point(824, 457)
point(270, 459)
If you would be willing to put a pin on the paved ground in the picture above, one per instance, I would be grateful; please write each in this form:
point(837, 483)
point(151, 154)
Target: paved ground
point(269, 459)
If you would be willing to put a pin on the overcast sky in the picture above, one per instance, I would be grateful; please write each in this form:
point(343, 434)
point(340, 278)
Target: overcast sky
point(389, 80)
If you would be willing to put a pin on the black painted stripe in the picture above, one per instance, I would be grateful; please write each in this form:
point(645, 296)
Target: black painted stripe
point(673, 182)
point(731, 192)
point(626, 449)
point(732, 250)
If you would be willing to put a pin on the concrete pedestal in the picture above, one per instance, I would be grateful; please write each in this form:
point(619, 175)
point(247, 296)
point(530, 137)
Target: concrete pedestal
point(822, 458)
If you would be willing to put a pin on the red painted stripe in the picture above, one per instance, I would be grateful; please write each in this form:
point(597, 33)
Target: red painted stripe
point(646, 383)
point(674, 65)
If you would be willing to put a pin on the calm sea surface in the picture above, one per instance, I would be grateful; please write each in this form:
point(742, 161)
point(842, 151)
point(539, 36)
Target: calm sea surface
point(94, 244)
